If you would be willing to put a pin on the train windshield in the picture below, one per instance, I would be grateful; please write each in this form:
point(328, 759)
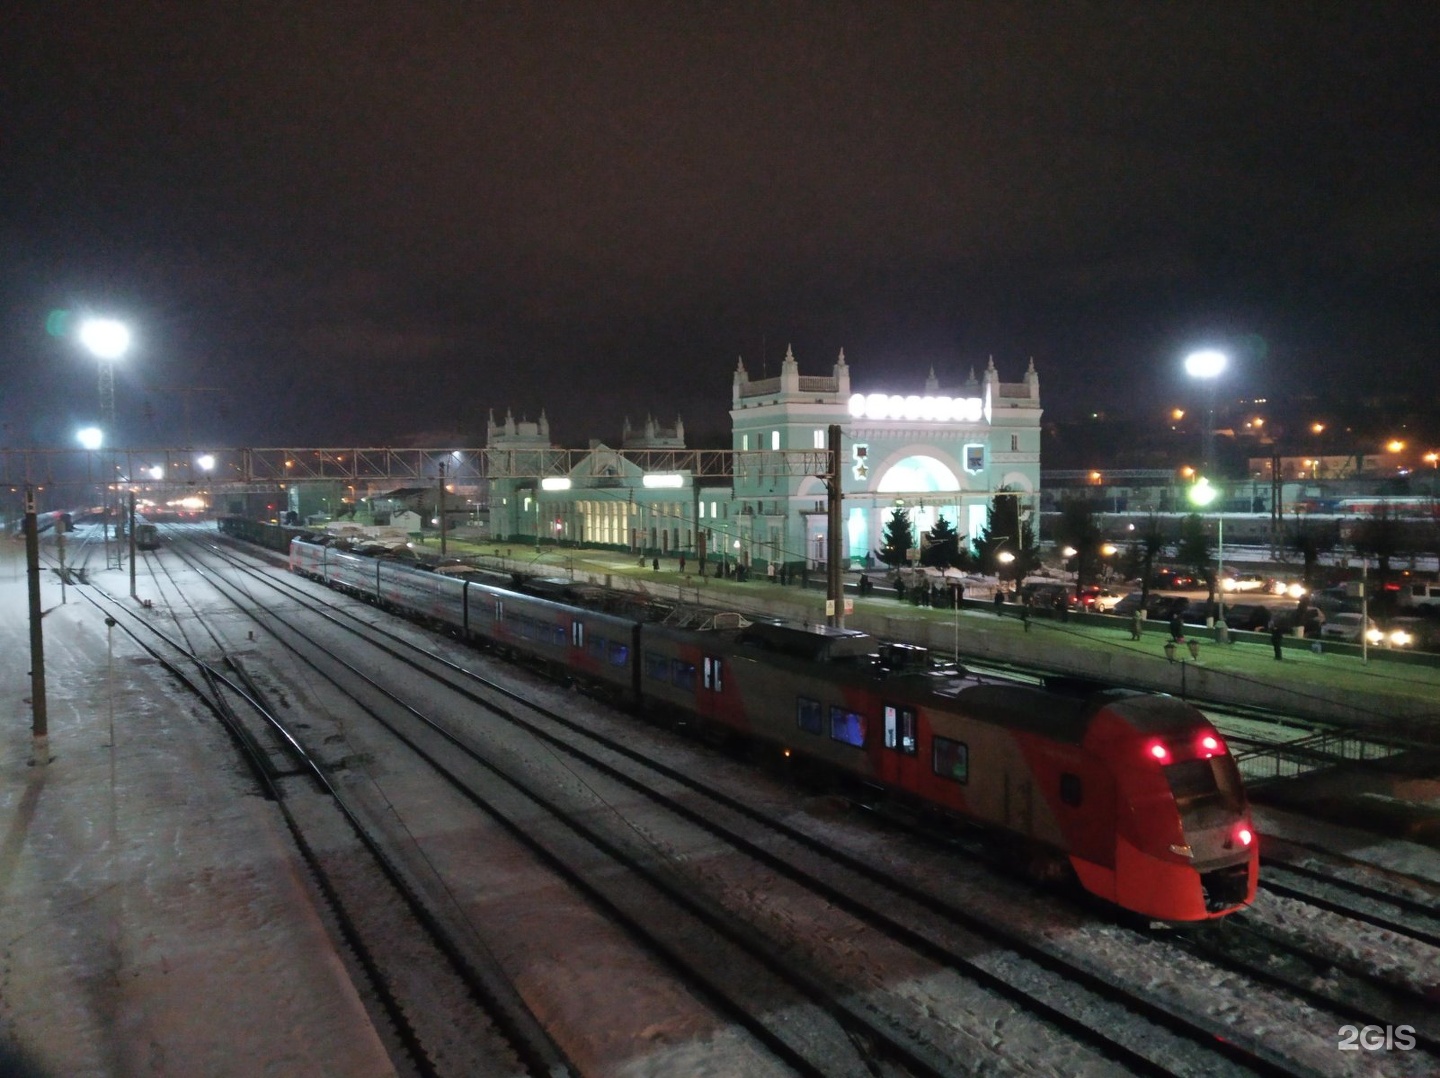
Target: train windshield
point(1207, 792)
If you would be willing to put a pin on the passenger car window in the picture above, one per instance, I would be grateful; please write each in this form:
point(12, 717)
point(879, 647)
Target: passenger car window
point(951, 759)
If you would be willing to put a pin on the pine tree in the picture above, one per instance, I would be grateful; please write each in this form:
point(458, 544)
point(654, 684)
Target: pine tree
point(944, 545)
point(897, 540)
point(1007, 529)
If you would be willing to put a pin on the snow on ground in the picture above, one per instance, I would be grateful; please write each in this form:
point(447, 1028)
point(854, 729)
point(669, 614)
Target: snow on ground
point(152, 921)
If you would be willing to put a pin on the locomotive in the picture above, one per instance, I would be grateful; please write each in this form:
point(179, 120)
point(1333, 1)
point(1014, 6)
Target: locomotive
point(1134, 793)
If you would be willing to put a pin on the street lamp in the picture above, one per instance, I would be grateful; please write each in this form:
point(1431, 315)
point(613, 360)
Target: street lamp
point(1201, 495)
point(1207, 365)
point(107, 340)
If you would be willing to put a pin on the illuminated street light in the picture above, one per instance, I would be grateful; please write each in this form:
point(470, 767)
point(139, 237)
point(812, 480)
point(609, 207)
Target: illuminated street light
point(105, 338)
point(1201, 495)
point(1207, 366)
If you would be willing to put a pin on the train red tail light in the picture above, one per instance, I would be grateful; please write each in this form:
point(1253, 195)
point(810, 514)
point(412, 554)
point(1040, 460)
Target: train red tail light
point(1245, 835)
point(1210, 745)
point(1158, 752)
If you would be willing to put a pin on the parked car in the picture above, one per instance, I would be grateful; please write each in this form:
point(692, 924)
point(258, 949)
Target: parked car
point(1162, 607)
point(1198, 612)
point(1173, 578)
point(1238, 581)
point(1248, 617)
point(1101, 600)
point(1414, 633)
point(1287, 620)
point(1129, 604)
point(1348, 626)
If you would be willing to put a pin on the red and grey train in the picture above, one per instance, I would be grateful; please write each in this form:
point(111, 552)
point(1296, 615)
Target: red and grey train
point(1136, 792)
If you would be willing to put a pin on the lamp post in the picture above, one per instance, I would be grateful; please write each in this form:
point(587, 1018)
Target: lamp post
point(1207, 365)
point(1201, 495)
point(107, 340)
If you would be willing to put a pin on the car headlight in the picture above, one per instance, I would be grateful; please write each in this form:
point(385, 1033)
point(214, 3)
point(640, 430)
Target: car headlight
point(1295, 591)
point(1400, 639)
point(1375, 636)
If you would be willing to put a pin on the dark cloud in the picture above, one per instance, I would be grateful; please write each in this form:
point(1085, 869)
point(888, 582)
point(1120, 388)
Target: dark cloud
point(424, 211)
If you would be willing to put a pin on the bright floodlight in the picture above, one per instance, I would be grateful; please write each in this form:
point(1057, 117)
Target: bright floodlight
point(206, 462)
point(105, 337)
point(90, 437)
point(1202, 493)
point(1207, 364)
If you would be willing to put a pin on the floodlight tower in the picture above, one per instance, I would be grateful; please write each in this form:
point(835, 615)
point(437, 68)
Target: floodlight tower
point(1207, 365)
point(107, 340)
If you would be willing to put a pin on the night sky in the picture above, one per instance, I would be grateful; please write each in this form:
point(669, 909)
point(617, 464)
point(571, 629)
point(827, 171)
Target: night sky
point(369, 223)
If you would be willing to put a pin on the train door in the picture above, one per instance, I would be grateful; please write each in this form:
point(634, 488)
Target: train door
point(899, 741)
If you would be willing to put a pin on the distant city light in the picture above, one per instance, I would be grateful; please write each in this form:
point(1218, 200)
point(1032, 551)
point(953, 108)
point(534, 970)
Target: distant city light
point(105, 337)
point(1395, 445)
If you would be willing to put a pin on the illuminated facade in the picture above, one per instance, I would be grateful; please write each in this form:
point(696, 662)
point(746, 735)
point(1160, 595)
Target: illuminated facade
point(605, 500)
point(941, 452)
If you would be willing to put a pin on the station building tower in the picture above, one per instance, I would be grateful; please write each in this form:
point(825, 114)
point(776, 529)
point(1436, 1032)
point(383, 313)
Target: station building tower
point(938, 453)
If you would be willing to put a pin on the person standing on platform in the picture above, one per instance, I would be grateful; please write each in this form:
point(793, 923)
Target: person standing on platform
point(1277, 638)
point(1136, 617)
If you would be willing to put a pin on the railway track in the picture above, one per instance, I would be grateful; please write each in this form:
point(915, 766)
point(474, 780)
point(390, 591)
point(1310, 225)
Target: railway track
point(387, 928)
point(1256, 1061)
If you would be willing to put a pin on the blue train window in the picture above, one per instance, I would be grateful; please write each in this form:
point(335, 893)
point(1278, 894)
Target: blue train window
point(847, 726)
point(619, 655)
point(951, 759)
point(900, 729)
point(683, 675)
point(809, 716)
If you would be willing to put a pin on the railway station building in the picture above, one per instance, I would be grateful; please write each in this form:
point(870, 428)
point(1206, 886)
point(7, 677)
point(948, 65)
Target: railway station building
point(940, 452)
